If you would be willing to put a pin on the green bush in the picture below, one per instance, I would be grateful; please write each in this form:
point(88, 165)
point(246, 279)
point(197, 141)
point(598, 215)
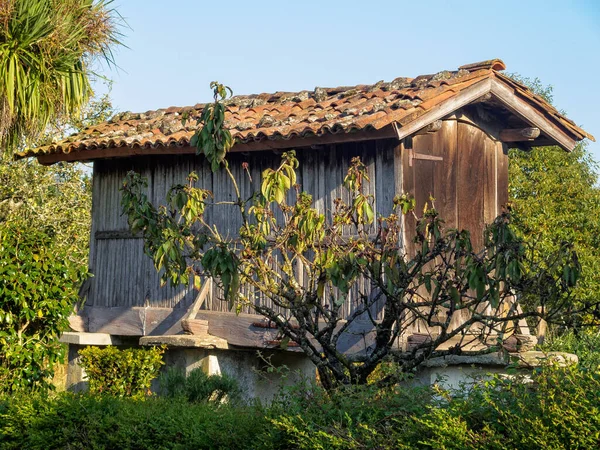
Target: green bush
point(308, 417)
point(559, 408)
point(121, 373)
point(585, 344)
point(198, 387)
point(37, 294)
point(89, 422)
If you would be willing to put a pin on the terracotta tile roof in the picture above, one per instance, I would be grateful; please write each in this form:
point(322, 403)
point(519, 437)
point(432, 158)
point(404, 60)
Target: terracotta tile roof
point(287, 115)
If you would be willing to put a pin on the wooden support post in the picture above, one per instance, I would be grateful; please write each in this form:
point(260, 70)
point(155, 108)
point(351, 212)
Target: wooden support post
point(519, 134)
point(189, 323)
point(542, 328)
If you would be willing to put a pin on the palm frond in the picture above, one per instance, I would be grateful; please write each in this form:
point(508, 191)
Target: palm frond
point(46, 49)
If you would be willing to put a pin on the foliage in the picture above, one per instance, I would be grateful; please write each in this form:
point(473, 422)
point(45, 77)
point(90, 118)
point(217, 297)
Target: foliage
point(89, 422)
point(555, 198)
point(558, 409)
point(309, 417)
point(197, 387)
point(121, 373)
point(46, 48)
point(585, 344)
point(36, 197)
point(446, 277)
point(37, 295)
point(44, 214)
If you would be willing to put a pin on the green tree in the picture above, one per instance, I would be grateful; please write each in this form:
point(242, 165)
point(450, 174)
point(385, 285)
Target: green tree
point(555, 198)
point(37, 292)
point(46, 47)
point(46, 51)
point(44, 236)
point(445, 278)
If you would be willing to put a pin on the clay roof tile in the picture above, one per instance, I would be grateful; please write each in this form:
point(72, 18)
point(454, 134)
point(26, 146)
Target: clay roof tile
point(283, 115)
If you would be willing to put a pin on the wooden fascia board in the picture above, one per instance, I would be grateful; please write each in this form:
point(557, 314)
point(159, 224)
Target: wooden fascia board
point(266, 144)
point(443, 109)
point(530, 115)
point(506, 96)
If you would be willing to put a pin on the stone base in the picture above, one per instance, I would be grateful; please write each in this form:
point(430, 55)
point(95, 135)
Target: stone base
point(460, 371)
point(211, 354)
point(248, 367)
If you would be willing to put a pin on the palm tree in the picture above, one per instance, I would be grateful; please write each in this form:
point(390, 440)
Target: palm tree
point(46, 48)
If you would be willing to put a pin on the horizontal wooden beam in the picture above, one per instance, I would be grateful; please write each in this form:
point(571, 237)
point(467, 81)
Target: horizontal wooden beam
point(128, 321)
point(434, 126)
point(185, 341)
point(249, 330)
point(519, 134)
point(117, 234)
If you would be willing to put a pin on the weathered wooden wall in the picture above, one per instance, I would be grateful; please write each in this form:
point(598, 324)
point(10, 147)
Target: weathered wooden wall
point(469, 182)
point(463, 166)
point(125, 277)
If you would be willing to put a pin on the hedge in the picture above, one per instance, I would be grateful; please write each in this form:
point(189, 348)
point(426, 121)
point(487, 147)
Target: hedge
point(558, 409)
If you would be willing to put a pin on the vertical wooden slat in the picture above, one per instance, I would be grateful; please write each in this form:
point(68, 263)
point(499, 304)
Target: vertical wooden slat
point(471, 142)
point(445, 172)
point(408, 187)
point(424, 171)
point(489, 185)
point(502, 175)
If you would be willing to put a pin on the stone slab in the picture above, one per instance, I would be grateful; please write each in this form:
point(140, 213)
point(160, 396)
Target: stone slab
point(83, 338)
point(533, 359)
point(186, 341)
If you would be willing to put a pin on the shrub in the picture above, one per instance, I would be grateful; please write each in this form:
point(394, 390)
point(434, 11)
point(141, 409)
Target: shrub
point(308, 417)
point(78, 422)
point(559, 409)
point(37, 293)
point(121, 373)
point(198, 387)
point(585, 344)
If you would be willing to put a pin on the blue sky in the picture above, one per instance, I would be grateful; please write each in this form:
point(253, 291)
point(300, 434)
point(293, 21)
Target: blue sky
point(175, 49)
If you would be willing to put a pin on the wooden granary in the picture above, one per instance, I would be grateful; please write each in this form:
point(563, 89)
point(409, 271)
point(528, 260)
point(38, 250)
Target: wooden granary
point(444, 135)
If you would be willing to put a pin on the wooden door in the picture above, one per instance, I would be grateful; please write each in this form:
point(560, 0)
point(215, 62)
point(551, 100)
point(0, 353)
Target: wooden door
point(464, 170)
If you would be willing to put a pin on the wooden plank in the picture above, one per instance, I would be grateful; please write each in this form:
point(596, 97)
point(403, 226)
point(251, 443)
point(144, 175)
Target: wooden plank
point(408, 187)
point(471, 142)
point(490, 180)
point(399, 189)
point(424, 171)
point(445, 173)
point(189, 322)
point(239, 330)
point(195, 326)
point(502, 175)
point(132, 321)
point(422, 156)
point(185, 341)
